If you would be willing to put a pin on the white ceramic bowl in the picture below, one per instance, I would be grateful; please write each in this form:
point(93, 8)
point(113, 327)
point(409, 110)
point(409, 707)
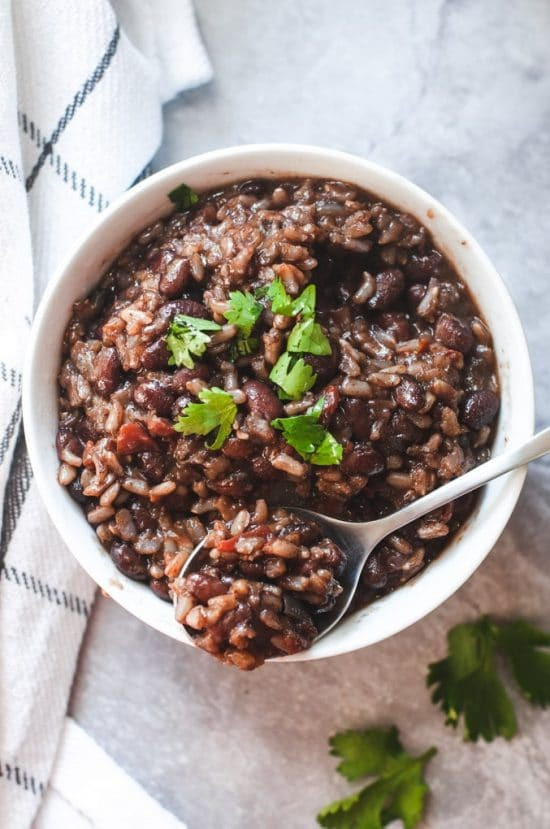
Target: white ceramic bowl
point(141, 206)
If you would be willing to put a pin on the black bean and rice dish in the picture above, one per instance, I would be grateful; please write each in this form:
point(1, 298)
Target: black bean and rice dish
point(290, 342)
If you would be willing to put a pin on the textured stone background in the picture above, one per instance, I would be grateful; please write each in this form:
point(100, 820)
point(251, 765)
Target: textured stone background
point(455, 95)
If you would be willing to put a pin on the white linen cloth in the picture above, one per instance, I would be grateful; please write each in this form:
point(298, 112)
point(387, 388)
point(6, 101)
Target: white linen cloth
point(88, 789)
point(80, 118)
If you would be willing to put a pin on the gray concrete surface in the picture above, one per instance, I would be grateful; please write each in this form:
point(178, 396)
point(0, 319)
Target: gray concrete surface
point(455, 95)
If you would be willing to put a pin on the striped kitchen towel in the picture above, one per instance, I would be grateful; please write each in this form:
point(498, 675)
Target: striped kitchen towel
point(81, 89)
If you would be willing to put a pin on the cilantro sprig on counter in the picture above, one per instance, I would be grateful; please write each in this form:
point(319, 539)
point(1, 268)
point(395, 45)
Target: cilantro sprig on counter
point(183, 197)
point(311, 440)
point(217, 410)
point(467, 683)
point(397, 792)
point(186, 337)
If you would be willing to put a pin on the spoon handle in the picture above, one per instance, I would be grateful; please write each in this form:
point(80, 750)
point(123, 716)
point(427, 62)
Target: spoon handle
point(531, 449)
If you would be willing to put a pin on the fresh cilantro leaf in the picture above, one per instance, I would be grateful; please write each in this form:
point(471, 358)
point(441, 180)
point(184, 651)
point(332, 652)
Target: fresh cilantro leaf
point(328, 453)
point(186, 337)
point(307, 337)
point(305, 303)
point(311, 440)
point(243, 346)
point(262, 291)
point(364, 752)
point(398, 793)
point(521, 644)
point(183, 197)
point(244, 311)
point(467, 683)
point(281, 302)
point(293, 376)
point(217, 409)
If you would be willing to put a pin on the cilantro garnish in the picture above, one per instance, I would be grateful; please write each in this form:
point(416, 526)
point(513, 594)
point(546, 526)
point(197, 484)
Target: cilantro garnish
point(282, 303)
point(521, 643)
point(398, 792)
point(307, 337)
point(293, 376)
point(311, 440)
point(467, 682)
point(244, 311)
point(305, 303)
point(242, 347)
point(183, 197)
point(217, 409)
point(186, 337)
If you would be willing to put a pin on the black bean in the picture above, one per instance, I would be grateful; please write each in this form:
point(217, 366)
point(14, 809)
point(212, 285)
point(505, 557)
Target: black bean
point(390, 285)
point(454, 333)
point(397, 325)
point(423, 268)
point(205, 585)
point(156, 396)
point(252, 187)
point(261, 400)
point(160, 589)
point(331, 555)
point(236, 448)
point(409, 394)
point(178, 502)
point(415, 294)
point(175, 278)
point(401, 432)
point(189, 307)
point(235, 484)
point(363, 459)
point(180, 378)
point(108, 371)
point(156, 355)
point(449, 296)
point(129, 562)
point(159, 259)
point(86, 430)
point(67, 439)
point(263, 469)
point(374, 573)
point(143, 518)
point(479, 408)
point(75, 491)
point(476, 373)
point(153, 466)
point(186, 306)
point(357, 414)
point(325, 367)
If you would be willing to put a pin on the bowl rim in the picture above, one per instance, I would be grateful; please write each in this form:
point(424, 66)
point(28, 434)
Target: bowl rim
point(55, 498)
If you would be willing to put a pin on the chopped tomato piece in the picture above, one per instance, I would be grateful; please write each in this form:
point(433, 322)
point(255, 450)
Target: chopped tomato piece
point(134, 437)
point(160, 427)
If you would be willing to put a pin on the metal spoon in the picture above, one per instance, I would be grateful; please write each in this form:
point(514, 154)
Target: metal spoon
point(358, 540)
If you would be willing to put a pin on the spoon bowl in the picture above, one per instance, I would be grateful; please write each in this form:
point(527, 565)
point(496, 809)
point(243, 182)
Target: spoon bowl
point(357, 540)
